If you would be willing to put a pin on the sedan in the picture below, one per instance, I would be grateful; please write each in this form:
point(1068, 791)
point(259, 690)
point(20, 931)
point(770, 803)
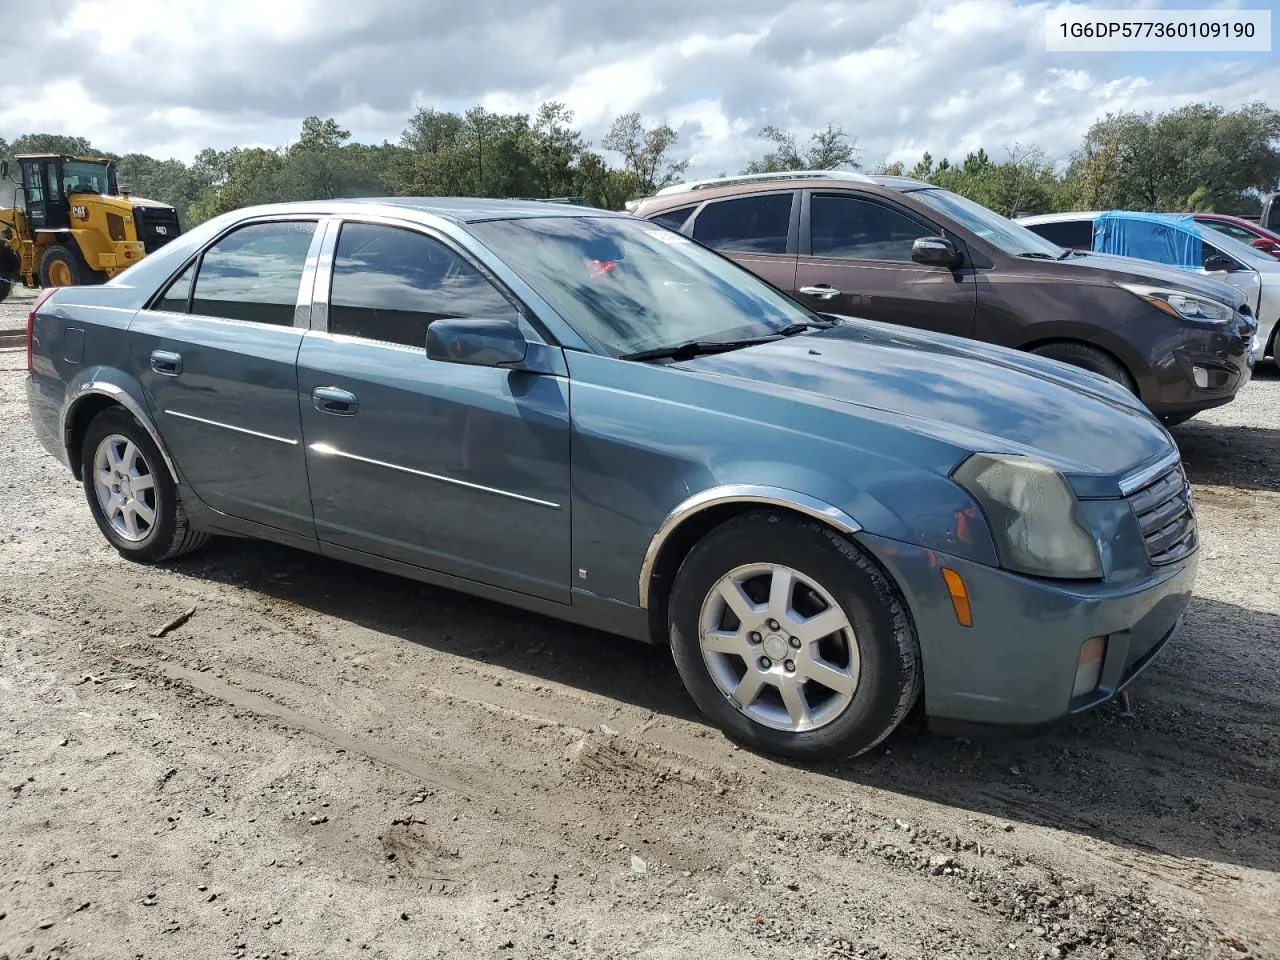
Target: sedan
point(582, 414)
point(1242, 230)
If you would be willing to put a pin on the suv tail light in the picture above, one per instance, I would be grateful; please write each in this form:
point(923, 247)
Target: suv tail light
point(44, 295)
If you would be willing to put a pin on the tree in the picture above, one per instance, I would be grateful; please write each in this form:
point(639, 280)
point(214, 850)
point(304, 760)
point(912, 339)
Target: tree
point(644, 151)
point(169, 181)
point(828, 149)
point(831, 149)
point(600, 186)
point(51, 143)
point(784, 155)
point(557, 148)
point(886, 169)
point(1150, 162)
point(314, 167)
point(923, 169)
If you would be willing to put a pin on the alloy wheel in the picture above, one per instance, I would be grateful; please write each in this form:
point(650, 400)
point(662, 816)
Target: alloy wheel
point(779, 647)
point(124, 487)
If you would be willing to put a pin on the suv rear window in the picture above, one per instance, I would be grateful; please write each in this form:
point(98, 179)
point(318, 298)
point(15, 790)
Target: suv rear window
point(755, 224)
point(675, 219)
point(1073, 234)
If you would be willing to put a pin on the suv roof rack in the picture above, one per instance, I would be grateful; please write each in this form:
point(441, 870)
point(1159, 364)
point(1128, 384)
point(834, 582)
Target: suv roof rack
point(763, 178)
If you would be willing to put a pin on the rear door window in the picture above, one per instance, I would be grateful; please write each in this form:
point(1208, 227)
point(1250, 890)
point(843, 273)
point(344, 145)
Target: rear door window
point(254, 273)
point(756, 224)
point(851, 228)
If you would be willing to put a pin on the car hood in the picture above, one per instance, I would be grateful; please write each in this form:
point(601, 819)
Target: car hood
point(1112, 268)
point(977, 397)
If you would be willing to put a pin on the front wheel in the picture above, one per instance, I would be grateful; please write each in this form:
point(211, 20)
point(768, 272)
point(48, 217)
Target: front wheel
point(63, 266)
point(792, 640)
point(1088, 358)
point(132, 496)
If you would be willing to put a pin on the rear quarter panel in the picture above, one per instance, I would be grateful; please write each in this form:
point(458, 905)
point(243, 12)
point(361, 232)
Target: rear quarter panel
point(75, 344)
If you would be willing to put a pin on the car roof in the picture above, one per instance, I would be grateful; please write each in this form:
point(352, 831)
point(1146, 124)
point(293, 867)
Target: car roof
point(696, 191)
point(1060, 217)
point(458, 209)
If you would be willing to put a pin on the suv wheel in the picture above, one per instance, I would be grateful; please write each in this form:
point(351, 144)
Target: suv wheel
point(131, 495)
point(791, 640)
point(1089, 358)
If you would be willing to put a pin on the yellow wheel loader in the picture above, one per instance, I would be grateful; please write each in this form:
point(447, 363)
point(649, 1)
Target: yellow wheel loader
point(70, 225)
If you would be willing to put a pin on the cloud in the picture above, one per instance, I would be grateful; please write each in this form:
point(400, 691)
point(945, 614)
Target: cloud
point(169, 77)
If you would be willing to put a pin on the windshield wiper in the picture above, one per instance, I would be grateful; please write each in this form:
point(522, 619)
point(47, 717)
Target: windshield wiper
point(695, 348)
point(792, 329)
point(1037, 255)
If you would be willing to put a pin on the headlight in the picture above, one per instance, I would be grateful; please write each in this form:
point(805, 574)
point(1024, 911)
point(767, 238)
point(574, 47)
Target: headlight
point(1032, 514)
point(1182, 304)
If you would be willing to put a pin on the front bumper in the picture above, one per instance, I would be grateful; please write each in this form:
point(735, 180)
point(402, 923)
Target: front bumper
point(1016, 666)
point(1222, 358)
point(124, 253)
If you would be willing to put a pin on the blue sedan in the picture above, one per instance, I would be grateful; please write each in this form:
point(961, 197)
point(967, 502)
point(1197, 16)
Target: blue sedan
point(590, 416)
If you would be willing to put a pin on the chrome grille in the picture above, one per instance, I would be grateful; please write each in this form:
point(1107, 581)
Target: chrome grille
point(1166, 516)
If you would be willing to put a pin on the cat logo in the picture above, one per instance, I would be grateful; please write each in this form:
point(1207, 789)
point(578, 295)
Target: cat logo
point(80, 212)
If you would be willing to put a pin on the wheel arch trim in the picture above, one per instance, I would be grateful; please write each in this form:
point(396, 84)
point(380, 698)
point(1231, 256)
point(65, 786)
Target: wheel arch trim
point(122, 397)
point(737, 493)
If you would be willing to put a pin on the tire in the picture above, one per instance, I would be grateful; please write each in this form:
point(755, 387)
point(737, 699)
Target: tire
point(61, 257)
point(5, 287)
point(167, 533)
point(1088, 358)
point(870, 694)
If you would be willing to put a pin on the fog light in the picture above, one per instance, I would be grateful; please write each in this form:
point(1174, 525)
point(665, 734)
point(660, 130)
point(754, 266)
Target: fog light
point(1201, 376)
point(1089, 666)
point(959, 597)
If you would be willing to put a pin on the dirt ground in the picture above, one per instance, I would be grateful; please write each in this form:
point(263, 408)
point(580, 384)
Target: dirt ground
point(330, 762)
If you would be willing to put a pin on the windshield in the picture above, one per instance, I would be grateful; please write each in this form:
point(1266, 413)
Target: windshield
point(1235, 248)
point(631, 285)
point(84, 177)
point(1012, 238)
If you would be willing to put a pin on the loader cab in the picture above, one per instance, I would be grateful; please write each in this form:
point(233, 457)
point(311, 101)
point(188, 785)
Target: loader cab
point(50, 183)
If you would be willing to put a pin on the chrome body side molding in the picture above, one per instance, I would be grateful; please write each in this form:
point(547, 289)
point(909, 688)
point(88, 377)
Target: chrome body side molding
point(227, 426)
point(738, 493)
point(328, 450)
point(123, 398)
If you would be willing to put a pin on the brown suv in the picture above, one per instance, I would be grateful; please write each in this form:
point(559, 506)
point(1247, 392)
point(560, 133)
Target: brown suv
point(898, 250)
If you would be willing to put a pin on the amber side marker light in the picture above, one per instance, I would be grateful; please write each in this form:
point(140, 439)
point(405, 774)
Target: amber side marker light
point(1089, 666)
point(959, 597)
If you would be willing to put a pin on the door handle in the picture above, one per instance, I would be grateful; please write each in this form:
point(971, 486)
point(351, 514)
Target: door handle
point(823, 291)
point(342, 403)
point(166, 363)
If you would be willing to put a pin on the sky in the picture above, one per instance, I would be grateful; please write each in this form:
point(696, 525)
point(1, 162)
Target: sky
point(169, 77)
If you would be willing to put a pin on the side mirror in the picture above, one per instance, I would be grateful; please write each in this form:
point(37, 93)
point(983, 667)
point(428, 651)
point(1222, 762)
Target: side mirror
point(1217, 263)
point(1262, 243)
point(479, 342)
point(935, 252)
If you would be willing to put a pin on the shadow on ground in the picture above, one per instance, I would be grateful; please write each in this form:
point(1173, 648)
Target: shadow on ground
point(1246, 457)
point(1190, 772)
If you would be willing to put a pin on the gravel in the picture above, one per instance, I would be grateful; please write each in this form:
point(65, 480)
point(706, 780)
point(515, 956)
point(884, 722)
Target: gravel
point(324, 761)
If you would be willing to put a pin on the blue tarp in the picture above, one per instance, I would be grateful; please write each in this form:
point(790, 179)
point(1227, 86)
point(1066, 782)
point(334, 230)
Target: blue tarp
point(1163, 237)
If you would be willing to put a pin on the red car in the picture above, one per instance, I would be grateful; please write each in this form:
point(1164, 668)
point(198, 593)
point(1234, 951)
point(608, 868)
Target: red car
point(1242, 230)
